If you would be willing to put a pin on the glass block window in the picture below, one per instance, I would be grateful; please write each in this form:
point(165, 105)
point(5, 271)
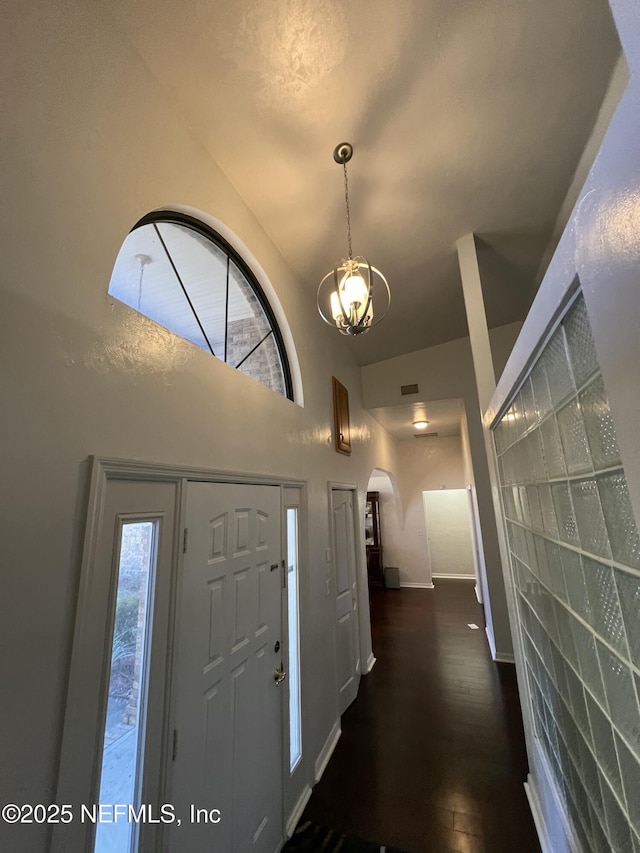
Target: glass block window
point(575, 565)
point(186, 277)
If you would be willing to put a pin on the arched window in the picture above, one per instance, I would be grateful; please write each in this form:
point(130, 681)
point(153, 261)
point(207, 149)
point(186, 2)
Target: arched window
point(180, 273)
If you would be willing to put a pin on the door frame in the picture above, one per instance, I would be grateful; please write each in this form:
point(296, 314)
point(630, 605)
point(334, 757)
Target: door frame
point(77, 778)
point(362, 589)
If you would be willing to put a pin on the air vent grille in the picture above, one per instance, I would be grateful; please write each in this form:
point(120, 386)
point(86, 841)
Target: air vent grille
point(408, 389)
point(426, 435)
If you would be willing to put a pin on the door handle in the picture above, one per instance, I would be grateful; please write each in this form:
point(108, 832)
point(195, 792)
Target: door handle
point(279, 675)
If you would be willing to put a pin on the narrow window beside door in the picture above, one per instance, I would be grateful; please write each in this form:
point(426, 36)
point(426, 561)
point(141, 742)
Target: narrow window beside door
point(121, 758)
point(295, 733)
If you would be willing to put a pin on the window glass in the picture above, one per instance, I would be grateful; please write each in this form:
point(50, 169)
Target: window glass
point(184, 276)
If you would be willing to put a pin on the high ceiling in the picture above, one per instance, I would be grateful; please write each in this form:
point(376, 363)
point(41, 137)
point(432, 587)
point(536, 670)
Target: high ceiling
point(465, 116)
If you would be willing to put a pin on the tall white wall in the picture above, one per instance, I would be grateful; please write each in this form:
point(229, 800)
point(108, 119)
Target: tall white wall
point(443, 372)
point(90, 144)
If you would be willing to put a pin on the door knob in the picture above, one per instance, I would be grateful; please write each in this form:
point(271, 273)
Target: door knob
point(279, 675)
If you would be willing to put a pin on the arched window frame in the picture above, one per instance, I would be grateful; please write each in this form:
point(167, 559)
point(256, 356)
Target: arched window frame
point(190, 222)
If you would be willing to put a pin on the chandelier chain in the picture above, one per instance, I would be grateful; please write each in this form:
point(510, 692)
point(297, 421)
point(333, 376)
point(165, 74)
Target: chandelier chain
point(346, 202)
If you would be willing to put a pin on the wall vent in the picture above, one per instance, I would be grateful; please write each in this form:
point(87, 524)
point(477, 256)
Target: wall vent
point(426, 435)
point(408, 389)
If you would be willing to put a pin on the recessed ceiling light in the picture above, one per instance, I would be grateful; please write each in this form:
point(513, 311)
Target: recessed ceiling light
point(421, 424)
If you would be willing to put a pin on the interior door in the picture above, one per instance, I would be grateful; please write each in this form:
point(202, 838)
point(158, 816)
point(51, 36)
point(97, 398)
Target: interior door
point(344, 556)
point(228, 710)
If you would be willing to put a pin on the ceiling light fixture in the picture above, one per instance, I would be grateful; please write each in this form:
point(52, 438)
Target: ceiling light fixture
point(346, 294)
point(421, 424)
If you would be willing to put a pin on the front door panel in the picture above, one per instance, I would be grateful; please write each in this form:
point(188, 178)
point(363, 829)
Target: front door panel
point(228, 706)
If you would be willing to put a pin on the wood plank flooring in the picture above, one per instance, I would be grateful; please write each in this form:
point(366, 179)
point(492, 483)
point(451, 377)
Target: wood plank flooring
point(432, 756)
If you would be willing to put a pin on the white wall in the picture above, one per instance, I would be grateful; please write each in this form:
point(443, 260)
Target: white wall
point(444, 372)
point(449, 533)
point(423, 464)
point(91, 143)
point(601, 245)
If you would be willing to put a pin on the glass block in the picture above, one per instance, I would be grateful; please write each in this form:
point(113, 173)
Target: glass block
point(567, 642)
point(588, 510)
point(603, 744)
point(578, 704)
point(552, 447)
point(619, 517)
point(598, 423)
point(629, 596)
point(559, 375)
point(508, 421)
point(507, 502)
point(599, 841)
point(549, 521)
point(588, 660)
point(519, 423)
point(537, 456)
point(574, 582)
point(619, 832)
point(590, 775)
point(567, 528)
point(515, 491)
point(582, 350)
point(630, 771)
point(556, 573)
point(621, 695)
point(535, 511)
point(528, 404)
point(524, 505)
point(499, 437)
point(604, 606)
point(541, 388)
point(542, 565)
point(573, 436)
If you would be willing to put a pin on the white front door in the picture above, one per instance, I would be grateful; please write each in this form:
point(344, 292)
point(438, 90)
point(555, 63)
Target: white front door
point(344, 557)
point(227, 772)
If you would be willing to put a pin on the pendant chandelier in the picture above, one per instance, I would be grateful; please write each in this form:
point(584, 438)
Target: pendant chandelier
point(346, 295)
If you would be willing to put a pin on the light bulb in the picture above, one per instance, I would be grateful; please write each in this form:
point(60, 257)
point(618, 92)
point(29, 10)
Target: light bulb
point(421, 424)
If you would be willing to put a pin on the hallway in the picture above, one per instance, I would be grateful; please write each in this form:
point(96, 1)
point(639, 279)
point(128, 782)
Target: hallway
point(432, 756)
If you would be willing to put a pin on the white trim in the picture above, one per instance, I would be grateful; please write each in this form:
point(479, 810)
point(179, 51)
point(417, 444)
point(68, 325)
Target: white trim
point(536, 812)
point(327, 750)
point(491, 641)
point(546, 833)
point(454, 577)
point(476, 589)
point(370, 663)
point(412, 585)
point(296, 813)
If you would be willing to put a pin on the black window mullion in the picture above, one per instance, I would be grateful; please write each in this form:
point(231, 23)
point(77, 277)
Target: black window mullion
point(184, 289)
point(251, 352)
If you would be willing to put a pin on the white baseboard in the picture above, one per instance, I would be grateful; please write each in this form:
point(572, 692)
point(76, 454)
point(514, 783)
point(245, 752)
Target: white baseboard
point(370, 663)
point(296, 814)
point(453, 577)
point(411, 585)
point(538, 817)
point(327, 750)
point(478, 594)
point(490, 640)
point(553, 825)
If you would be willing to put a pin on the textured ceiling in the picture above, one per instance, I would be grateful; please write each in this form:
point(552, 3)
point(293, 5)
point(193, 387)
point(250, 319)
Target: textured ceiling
point(464, 116)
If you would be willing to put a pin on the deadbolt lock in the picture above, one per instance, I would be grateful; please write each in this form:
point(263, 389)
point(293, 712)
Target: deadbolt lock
point(276, 647)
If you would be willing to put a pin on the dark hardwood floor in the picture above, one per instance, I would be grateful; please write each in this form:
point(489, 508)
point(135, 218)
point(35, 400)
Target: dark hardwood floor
point(432, 755)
